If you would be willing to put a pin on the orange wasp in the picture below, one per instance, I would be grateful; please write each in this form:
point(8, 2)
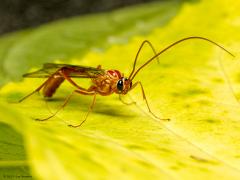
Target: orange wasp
point(104, 82)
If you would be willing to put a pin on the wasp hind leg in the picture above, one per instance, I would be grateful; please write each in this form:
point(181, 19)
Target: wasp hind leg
point(35, 91)
point(84, 92)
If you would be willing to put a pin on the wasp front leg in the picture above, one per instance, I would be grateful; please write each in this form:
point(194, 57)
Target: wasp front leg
point(146, 101)
point(126, 103)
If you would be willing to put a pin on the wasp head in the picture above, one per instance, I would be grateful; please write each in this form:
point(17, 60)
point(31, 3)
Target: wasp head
point(123, 85)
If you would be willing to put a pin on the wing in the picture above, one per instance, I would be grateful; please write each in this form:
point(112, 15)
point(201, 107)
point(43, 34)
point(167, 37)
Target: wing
point(75, 71)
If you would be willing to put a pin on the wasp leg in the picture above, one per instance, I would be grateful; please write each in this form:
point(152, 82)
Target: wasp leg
point(126, 103)
point(89, 110)
point(145, 99)
point(65, 103)
point(79, 90)
point(36, 90)
point(66, 77)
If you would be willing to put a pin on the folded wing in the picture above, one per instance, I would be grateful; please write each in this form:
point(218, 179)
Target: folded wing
point(74, 71)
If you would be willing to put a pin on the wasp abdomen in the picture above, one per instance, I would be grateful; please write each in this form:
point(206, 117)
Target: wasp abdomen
point(52, 84)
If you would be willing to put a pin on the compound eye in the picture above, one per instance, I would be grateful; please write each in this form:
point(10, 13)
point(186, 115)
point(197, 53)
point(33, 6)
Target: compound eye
point(120, 85)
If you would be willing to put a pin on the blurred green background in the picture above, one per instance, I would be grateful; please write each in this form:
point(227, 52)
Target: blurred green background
point(16, 15)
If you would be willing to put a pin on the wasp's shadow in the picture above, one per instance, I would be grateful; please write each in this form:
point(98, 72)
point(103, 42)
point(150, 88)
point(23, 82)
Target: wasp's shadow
point(111, 107)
